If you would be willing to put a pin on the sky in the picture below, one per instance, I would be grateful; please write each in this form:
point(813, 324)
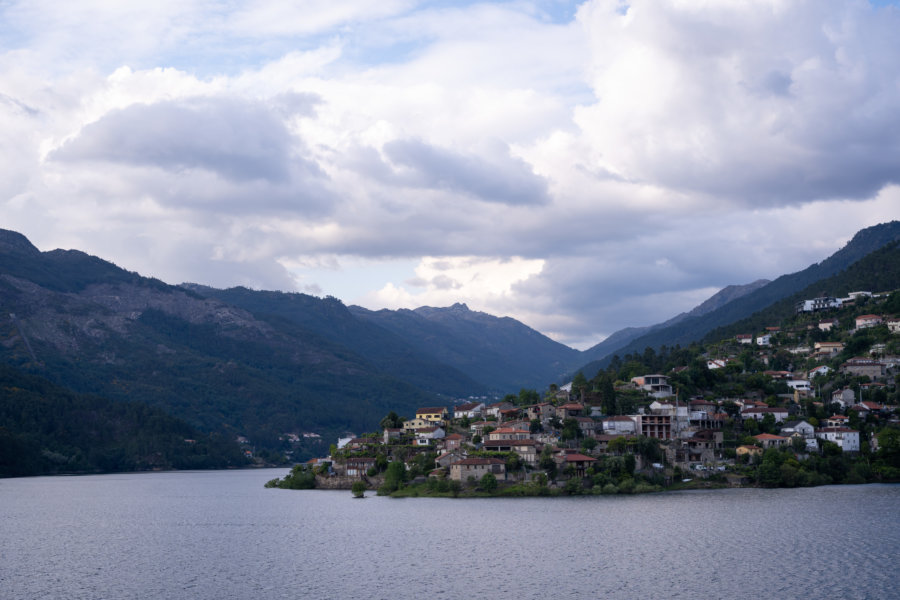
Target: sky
point(579, 166)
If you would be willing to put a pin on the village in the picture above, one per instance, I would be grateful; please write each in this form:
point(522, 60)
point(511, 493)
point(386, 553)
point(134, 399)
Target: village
point(821, 416)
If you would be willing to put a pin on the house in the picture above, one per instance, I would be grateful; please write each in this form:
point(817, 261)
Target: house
point(478, 427)
point(412, 425)
point(510, 414)
point(846, 438)
point(710, 408)
point(767, 440)
point(452, 442)
point(828, 324)
point(509, 433)
point(543, 411)
point(576, 460)
point(748, 450)
point(764, 340)
point(658, 426)
point(587, 426)
point(798, 426)
point(864, 367)
point(428, 434)
point(815, 304)
point(837, 421)
point(717, 363)
point(820, 370)
point(864, 321)
point(619, 425)
point(843, 397)
point(493, 410)
point(527, 450)
point(476, 468)
point(604, 440)
point(656, 385)
point(759, 413)
point(894, 324)
point(357, 466)
point(744, 338)
point(435, 414)
point(828, 349)
point(391, 434)
point(448, 458)
point(470, 410)
point(799, 385)
point(569, 410)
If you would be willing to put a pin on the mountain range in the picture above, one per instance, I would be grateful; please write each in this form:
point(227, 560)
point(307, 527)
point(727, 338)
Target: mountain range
point(262, 363)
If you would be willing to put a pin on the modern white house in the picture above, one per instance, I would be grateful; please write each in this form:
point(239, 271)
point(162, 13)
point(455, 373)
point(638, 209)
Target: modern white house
point(619, 425)
point(846, 438)
point(657, 385)
point(815, 304)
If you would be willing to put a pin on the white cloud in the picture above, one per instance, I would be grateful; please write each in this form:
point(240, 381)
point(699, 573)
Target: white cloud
point(582, 175)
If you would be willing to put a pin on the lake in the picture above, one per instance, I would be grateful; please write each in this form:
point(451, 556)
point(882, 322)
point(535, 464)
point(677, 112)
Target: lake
point(221, 534)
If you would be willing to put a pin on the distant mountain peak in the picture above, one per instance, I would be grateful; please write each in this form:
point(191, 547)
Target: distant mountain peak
point(13, 241)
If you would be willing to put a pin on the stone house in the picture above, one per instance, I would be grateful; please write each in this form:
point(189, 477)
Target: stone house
point(476, 468)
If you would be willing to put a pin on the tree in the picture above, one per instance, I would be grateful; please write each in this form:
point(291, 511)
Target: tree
point(588, 444)
point(392, 421)
point(527, 397)
point(488, 482)
point(579, 384)
point(358, 489)
point(547, 463)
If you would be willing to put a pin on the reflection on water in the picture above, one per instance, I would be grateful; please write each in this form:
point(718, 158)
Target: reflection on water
point(222, 535)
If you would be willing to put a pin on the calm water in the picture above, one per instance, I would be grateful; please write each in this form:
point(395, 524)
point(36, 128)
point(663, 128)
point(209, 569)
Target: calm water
point(222, 535)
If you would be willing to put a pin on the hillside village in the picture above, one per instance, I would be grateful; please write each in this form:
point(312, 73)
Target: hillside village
point(809, 401)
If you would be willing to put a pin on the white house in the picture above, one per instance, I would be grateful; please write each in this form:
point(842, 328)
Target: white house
point(815, 304)
point(619, 425)
point(820, 370)
point(657, 385)
point(894, 325)
point(759, 413)
point(764, 340)
point(864, 321)
point(847, 439)
point(471, 410)
point(799, 385)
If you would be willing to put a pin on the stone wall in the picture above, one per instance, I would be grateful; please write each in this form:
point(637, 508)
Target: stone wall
point(344, 482)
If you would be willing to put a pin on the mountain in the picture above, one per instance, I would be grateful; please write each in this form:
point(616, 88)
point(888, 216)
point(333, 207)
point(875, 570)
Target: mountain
point(90, 326)
point(500, 352)
point(47, 429)
point(621, 338)
point(331, 320)
point(695, 328)
point(876, 272)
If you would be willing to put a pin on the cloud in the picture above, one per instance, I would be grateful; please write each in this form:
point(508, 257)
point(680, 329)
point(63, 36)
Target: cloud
point(756, 103)
point(237, 140)
point(507, 180)
point(582, 173)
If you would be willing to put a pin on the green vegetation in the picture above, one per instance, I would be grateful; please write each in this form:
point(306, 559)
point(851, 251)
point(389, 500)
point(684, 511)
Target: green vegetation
point(47, 429)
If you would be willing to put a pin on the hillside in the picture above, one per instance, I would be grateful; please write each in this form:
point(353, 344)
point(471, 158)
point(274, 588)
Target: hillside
point(46, 429)
point(695, 328)
point(500, 352)
point(877, 272)
point(331, 320)
point(621, 338)
point(90, 326)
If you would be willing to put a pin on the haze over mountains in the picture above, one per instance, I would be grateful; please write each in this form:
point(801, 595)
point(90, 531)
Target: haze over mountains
point(263, 363)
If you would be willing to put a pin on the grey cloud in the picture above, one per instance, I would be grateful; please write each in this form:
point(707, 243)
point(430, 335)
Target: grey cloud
point(507, 181)
point(238, 140)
